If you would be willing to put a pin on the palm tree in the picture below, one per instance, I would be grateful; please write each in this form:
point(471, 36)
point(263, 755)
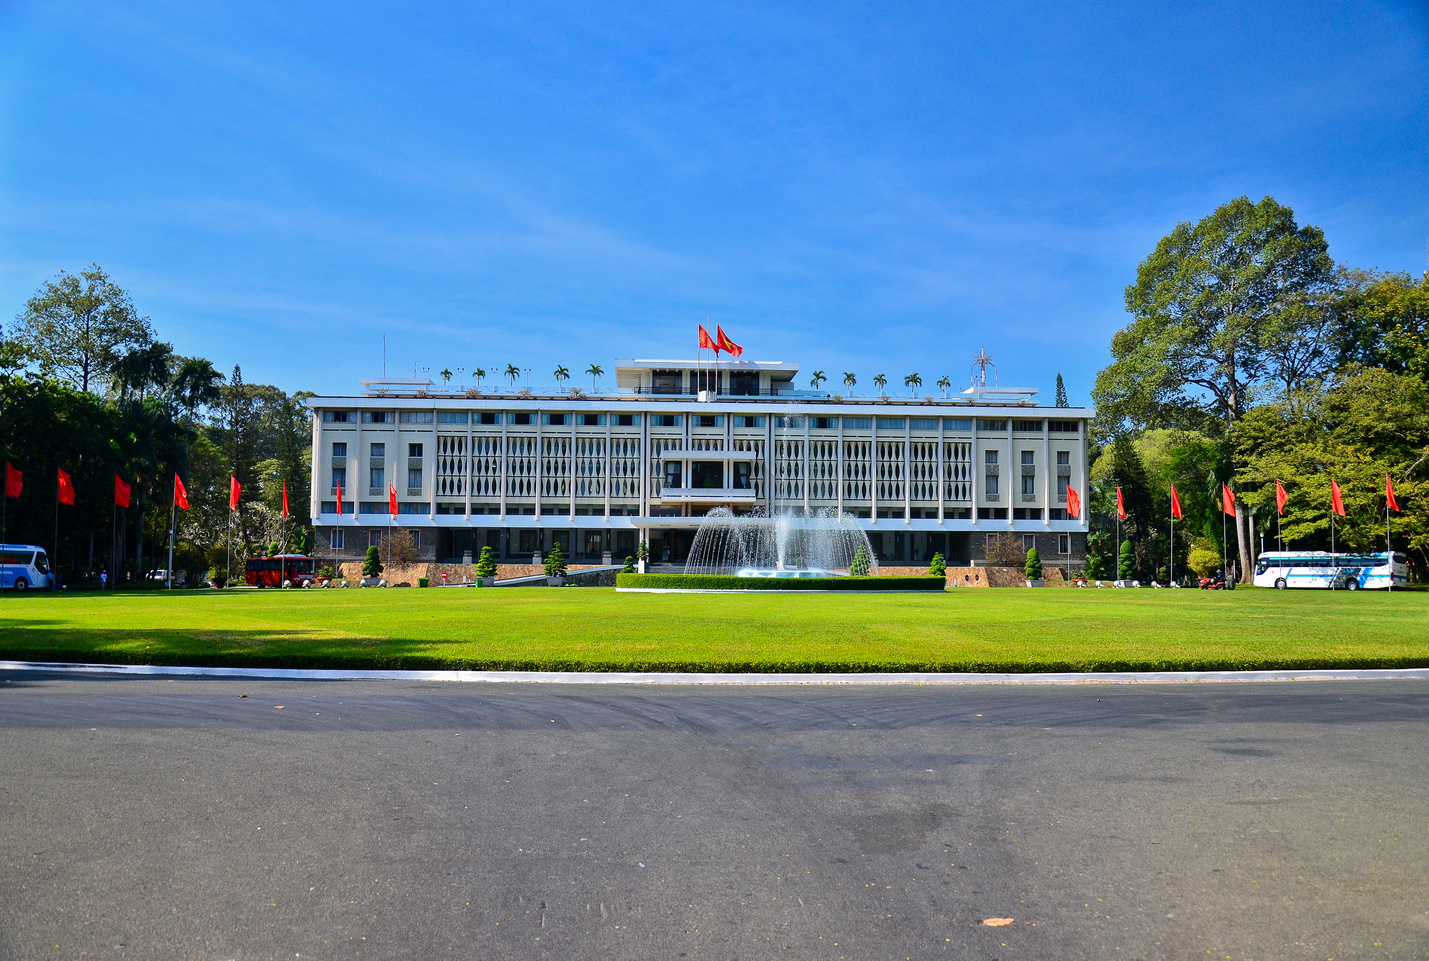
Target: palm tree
point(195, 384)
point(850, 379)
point(595, 370)
point(446, 376)
point(478, 373)
point(912, 382)
point(512, 371)
point(944, 383)
point(880, 382)
point(817, 379)
point(560, 374)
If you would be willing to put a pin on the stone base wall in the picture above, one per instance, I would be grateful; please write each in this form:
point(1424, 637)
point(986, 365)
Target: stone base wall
point(456, 573)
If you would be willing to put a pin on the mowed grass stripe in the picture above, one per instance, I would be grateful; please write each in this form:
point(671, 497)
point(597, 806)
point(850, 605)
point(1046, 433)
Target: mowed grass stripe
point(598, 629)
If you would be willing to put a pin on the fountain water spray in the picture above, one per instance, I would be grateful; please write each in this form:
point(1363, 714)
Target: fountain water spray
point(823, 541)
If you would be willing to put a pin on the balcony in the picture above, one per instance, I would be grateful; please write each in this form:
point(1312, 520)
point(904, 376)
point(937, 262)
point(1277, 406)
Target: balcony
point(707, 495)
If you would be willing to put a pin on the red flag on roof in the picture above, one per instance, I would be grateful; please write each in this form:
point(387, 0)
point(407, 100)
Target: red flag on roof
point(706, 341)
point(14, 481)
point(1389, 494)
point(1120, 504)
point(1281, 497)
point(121, 492)
point(338, 485)
point(181, 494)
point(392, 499)
point(65, 492)
point(1337, 501)
point(1175, 503)
point(234, 489)
point(285, 498)
point(1227, 501)
point(725, 344)
point(1074, 504)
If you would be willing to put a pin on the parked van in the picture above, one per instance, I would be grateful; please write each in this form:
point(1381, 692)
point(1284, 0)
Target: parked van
point(23, 566)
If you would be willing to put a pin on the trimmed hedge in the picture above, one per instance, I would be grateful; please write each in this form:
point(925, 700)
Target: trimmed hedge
point(729, 582)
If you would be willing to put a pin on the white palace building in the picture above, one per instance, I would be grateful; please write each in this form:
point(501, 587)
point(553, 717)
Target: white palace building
point(521, 472)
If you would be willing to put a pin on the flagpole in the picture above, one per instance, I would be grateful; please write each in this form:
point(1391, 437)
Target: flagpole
point(1172, 549)
point(173, 517)
point(55, 563)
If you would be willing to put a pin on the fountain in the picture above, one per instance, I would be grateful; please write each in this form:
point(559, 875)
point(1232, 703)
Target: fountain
point(785, 544)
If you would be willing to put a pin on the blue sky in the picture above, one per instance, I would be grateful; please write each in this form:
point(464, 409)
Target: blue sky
point(873, 188)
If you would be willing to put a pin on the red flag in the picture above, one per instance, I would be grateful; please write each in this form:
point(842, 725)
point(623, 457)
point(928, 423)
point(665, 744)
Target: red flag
point(1337, 502)
point(392, 499)
point(339, 497)
point(285, 498)
point(1074, 504)
point(1175, 503)
point(1120, 504)
point(181, 494)
point(65, 493)
point(234, 489)
point(1281, 497)
point(121, 492)
point(1227, 501)
point(725, 344)
point(1389, 493)
point(707, 342)
point(14, 481)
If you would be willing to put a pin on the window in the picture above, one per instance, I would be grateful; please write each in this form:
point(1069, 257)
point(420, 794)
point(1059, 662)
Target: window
point(590, 420)
point(415, 417)
point(339, 450)
point(414, 450)
point(416, 538)
point(890, 423)
point(555, 420)
point(377, 417)
point(923, 423)
point(824, 423)
point(1028, 458)
point(672, 474)
point(664, 420)
point(1064, 426)
point(338, 539)
point(374, 538)
point(1029, 485)
point(991, 424)
point(339, 417)
point(990, 456)
point(741, 476)
point(414, 478)
point(451, 417)
point(1029, 542)
point(992, 513)
point(1027, 426)
point(667, 381)
point(1064, 544)
point(957, 423)
point(858, 423)
point(708, 420)
point(788, 423)
point(1064, 458)
point(376, 478)
point(992, 487)
point(412, 507)
point(1027, 513)
point(744, 384)
point(487, 417)
point(377, 450)
point(339, 478)
point(1058, 513)
point(627, 420)
point(748, 421)
point(519, 419)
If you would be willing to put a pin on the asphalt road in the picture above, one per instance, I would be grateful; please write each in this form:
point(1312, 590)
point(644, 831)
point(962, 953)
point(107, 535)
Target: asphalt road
point(221, 819)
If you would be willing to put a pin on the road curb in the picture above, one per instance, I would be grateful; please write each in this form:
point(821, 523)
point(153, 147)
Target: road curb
point(747, 679)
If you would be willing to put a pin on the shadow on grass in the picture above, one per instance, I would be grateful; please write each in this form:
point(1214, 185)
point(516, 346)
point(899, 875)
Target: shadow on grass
point(43, 641)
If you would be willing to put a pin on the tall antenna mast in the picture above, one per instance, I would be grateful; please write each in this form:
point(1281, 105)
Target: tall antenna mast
point(384, 357)
point(981, 363)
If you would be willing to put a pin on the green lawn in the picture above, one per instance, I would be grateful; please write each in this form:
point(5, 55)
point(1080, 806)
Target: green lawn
point(598, 629)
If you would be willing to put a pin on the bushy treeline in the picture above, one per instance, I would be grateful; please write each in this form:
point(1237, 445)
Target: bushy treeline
point(86, 387)
point(1253, 358)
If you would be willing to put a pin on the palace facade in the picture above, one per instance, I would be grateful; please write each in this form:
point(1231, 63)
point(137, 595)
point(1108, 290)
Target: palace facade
point(521, 472)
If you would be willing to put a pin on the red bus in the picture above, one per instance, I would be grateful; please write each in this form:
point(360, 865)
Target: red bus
point(294, 569)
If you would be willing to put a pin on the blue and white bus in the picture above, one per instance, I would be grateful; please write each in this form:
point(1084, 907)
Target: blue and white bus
point(1350, 572)
point(23, 566)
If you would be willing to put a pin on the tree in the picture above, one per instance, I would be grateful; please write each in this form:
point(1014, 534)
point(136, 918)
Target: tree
point(880, 382)
point(629, 567)
point(595, 370)
point(512, 372)
point(556, 561)
point(1096, 567)
point(860, 564)
point(486, 563)
point(446, 376)
point(1033, 568)
point(560, 374)
point(78, 327)
point(1208, 304)
point(943, 384)
point(398, 548)
point(478, 373)
point(1004, 550)
point(850, 378)
point(642, 551)
point(194, 384)
point(938, 567)
point(1126, 561)
point(912, 382)
point(1061, 392)
point(817, 379)
point(1203, 561)
point(1382, 320)
point(372, 564)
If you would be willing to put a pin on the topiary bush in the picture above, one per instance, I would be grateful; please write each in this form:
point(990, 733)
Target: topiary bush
point(938, 568)
point(486, 563)
point(1033, 568)
point(556, 562)
point(372, 563)
point(629, 567)
point(1126, 568)
point(642, 551)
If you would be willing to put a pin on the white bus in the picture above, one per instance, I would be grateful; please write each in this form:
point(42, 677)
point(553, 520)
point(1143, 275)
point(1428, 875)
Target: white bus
point(23, 566)
point(1350, 572)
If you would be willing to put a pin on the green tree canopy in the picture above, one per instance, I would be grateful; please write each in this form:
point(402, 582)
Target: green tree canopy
point(77, 327)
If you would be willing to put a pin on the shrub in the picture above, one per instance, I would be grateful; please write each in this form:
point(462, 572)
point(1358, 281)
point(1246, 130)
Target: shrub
point(486, 564)
point(1033, 567)
point(938, 568)
point(325, 571)
point(642, 551)
point(556, 562)
point(858, 567)
point(1126, 569)
point(398, 548)
point(729, 582)
point(372, 564)
point(629, 567)
point(1204, 562)
point(1096, 568)
point(1004, 550)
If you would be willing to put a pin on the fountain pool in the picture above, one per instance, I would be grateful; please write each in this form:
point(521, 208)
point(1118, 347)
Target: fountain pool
point(785, 544)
